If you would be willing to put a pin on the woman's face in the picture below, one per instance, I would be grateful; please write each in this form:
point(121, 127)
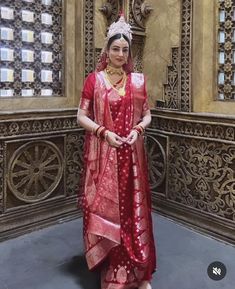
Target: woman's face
point(118, 52)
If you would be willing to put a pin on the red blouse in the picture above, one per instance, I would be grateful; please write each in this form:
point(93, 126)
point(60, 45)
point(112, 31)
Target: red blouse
point(88, 93)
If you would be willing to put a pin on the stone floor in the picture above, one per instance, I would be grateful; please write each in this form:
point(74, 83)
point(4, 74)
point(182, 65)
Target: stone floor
point(52, 258)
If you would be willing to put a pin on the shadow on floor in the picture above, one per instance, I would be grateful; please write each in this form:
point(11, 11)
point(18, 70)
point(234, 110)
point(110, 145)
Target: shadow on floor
point(77, 267)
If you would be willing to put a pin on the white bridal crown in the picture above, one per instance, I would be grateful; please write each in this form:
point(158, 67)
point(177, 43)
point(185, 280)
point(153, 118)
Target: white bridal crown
point(120, 27)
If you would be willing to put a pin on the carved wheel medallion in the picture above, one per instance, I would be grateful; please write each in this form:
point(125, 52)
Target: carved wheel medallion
point(35, 169)
point(156, 161)
point(111, 10)
point(137, 12)
point(140, 11)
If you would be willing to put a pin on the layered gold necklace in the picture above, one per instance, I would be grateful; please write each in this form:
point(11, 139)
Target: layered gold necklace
point(122, 83)
point(112, 70)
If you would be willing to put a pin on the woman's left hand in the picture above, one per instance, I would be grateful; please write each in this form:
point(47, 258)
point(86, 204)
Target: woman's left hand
point(132, 137)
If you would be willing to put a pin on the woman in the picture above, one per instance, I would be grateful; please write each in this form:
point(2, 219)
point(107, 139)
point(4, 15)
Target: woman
point(116, 197)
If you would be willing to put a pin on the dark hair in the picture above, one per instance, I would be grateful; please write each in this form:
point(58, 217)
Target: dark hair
point(116, 37)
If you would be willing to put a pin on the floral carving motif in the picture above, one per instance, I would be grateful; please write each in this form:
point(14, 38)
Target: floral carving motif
point(171, 88)
point(19, 127)
point(201, 175)
point(193, 128)
point(74, 162)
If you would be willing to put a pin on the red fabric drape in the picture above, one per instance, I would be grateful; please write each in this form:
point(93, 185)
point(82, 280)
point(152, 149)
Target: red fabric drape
point(116, 197)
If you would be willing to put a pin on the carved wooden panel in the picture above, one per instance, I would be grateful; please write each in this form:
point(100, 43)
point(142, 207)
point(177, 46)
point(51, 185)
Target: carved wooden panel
point(41, 160)
point(74, 162)
point(171, 88)
point(193, 128)
point(177, 90)
point(200, 173)
point(89, 36)
point(35, 170)
point(137, 53)
point(40, 125)
point(97, 55)
point(156, 148)
point(186, 55)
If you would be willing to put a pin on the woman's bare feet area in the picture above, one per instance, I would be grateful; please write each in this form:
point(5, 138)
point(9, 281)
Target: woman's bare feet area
point(145, 285)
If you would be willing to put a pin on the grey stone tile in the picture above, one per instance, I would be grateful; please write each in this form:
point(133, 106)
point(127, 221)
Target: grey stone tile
point(53, 258)
point(184, 255)
point(42, 249)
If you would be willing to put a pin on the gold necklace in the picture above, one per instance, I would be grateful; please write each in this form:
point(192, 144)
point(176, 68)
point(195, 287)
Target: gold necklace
point(121, 91)
point(112, 70)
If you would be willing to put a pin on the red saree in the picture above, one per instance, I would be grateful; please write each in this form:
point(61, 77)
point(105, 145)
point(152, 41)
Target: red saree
point(116, 197)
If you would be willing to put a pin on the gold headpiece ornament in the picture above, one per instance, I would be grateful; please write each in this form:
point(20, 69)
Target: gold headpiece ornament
point(120, 27)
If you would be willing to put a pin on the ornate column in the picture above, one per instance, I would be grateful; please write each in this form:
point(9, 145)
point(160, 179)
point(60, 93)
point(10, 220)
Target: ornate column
point(138, 11)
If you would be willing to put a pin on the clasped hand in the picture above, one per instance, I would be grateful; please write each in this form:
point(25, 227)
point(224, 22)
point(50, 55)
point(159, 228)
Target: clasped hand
point(115, 140)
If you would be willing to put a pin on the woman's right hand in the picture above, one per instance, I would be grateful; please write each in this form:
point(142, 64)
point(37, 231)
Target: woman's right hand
point(114, 140)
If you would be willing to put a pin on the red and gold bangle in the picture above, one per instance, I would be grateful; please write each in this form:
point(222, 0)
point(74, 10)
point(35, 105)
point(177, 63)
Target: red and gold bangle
point(96, 131)
point(136, 131)
point(102, 131)
point(139, 129)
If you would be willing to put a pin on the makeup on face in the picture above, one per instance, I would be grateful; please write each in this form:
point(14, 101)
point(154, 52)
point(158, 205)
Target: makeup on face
point(118, 52)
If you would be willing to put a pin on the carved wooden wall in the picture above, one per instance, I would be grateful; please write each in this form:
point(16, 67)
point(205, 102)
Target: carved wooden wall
point(40, 167)
point(193, 158)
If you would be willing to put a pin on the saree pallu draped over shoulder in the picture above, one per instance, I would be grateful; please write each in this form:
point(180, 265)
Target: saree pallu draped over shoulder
point(116, 196)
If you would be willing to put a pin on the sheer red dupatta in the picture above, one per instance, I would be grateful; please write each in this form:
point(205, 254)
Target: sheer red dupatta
point(142, 230)
point(100, 200)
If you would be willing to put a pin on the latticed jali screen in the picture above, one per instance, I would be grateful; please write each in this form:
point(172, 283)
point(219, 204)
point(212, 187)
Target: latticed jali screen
point(31, 48)
point(226, 37)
